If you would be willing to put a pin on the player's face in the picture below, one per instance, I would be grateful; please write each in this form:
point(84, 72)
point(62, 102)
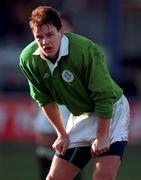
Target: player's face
point(49, 39)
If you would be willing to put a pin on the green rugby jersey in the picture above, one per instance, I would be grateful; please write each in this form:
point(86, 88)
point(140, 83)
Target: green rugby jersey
point(80, 81)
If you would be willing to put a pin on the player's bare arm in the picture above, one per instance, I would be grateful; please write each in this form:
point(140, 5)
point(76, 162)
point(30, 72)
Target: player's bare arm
point(101, 143)
point(53, 114)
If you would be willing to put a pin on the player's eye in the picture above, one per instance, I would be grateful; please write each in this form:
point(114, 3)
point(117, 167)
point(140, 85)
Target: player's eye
point(38, 37)
point(50, 34)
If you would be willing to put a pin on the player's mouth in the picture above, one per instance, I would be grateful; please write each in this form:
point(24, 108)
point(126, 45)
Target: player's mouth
point(48, 49)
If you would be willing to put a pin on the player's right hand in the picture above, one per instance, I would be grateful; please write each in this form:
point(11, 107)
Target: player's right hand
point(60, 145)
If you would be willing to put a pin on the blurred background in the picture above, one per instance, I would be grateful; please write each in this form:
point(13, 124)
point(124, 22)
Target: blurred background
point(116, 26)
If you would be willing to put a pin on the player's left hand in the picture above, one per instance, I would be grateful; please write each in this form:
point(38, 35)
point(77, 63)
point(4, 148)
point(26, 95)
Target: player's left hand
point(100, 145)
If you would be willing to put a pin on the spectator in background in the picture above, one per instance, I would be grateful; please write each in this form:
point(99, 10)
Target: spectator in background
point(4, 19)
point(129, 74)
point(70, 69)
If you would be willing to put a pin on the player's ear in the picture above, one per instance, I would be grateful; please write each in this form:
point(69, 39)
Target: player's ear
point(62, 31)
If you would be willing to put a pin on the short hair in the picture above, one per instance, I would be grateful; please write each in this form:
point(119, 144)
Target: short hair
point(45, 15)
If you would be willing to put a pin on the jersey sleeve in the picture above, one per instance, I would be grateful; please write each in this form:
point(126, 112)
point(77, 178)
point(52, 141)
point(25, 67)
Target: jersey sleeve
point(103, 90)
point(37, 90)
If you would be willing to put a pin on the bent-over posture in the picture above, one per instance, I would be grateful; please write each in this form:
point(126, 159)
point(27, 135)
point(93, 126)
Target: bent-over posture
point(69, 69)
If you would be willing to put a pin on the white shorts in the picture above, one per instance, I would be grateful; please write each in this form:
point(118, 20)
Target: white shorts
point(82, 129)
point(42, 124)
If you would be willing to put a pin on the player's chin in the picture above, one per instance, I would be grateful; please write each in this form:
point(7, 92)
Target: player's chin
point(50, 54)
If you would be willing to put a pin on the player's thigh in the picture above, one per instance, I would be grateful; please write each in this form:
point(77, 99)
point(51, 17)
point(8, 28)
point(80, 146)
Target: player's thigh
point(106, 167)
point(62, 169)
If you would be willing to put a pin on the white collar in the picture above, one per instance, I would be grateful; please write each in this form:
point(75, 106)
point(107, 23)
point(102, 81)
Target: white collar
point(63, 51)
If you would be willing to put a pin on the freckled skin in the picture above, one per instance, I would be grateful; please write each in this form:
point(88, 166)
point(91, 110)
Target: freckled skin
point(48, 39)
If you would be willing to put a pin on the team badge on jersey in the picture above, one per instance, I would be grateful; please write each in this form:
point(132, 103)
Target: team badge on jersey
point(46, 75)
point(67, 76)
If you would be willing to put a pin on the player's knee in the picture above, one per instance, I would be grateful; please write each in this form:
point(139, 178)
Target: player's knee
point(105, 175)
point(50, 177)
point(56, 177)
